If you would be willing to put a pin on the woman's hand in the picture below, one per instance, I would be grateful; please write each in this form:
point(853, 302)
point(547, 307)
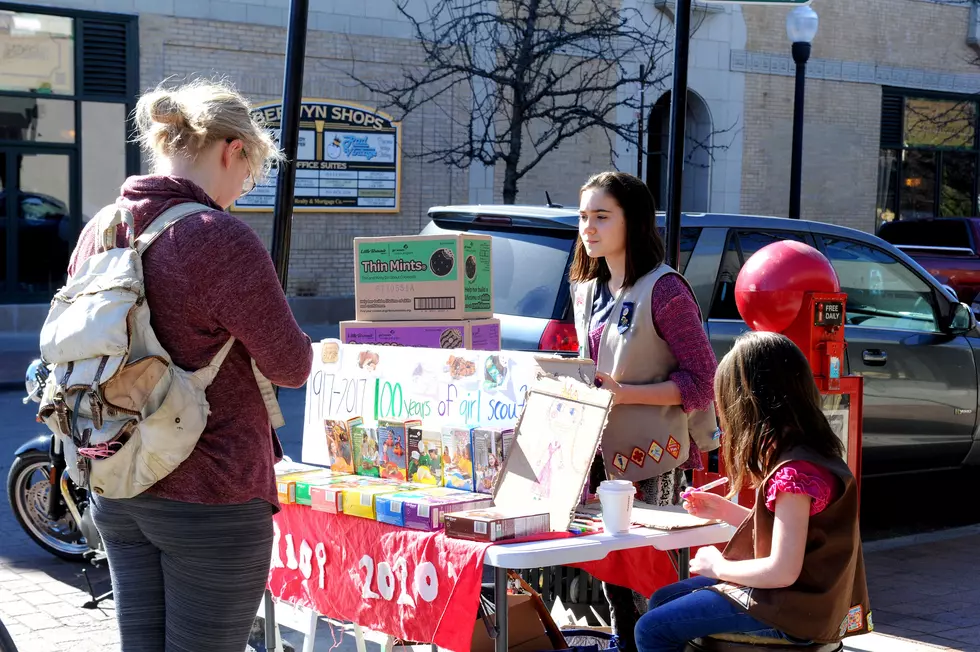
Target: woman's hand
point(606, 382)
point(707, 561)
point(707, 505)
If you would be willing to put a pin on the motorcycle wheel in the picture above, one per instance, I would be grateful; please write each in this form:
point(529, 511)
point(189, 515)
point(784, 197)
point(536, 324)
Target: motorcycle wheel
point(27, 491)
point(6, 642)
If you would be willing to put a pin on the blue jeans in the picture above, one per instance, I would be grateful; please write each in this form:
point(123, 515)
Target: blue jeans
point(680, 613)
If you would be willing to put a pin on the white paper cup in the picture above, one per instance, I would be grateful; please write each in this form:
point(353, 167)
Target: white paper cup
point(616, 497)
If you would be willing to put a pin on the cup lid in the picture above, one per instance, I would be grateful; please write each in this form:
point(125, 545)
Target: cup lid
point(618, 486)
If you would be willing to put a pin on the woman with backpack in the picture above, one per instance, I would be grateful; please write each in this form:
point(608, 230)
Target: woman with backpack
point(189, 557)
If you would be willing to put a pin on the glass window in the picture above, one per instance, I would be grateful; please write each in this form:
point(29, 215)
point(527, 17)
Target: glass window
point(689, 239)
point(43, 222)
point(881, 291)
point(940, 124)
point(37, 53)
point(27, 119)
point(959, 171)
point(919, 184)
point(103, 155)
point(741, 246)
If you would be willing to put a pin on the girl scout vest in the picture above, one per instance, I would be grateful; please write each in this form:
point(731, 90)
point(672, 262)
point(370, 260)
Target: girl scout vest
point(829, 600)
point(640, 441)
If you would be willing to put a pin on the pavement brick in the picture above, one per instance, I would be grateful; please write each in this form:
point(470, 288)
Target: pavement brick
point(39, 597)
point(38, 621)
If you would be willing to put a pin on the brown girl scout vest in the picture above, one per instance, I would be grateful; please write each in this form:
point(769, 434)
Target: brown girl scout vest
point(640, 441)
point(829, 600)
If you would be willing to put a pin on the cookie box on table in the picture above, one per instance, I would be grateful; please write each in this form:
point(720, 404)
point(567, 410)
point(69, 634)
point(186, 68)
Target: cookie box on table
point(423, 277)
point(492, 525)
point(457, 458)
point(288, 484)
point(424, 509)
point(393, 444)
point(359, 501)
point(328, 496)
point(425, 456)
point(472, 334)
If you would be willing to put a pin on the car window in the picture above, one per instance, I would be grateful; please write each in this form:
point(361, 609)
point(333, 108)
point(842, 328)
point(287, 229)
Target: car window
point(689, 238)
point(741, 245)
point(881, 291)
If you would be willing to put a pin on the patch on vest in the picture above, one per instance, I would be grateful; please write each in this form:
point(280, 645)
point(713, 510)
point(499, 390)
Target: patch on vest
point(625, 317)
point(673, 447)
point(716, 435)
point(871, 625)
point(843, 627)
point(741, 594)
point(620, 462)
point(855, 619)
point(656, 451)
point(638, 457)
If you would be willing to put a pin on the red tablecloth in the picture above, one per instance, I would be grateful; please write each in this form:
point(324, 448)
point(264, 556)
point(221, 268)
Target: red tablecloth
point(418, 586)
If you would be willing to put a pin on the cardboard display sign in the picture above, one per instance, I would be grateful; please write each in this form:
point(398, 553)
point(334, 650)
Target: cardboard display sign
point(554, 445)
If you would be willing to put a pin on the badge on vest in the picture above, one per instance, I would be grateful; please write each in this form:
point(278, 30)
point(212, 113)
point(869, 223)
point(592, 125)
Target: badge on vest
point(626, 317)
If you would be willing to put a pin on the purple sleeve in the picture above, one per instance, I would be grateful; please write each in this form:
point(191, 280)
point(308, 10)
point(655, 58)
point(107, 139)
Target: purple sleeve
point(802, 478)
point(678, 322)
point(238, 281)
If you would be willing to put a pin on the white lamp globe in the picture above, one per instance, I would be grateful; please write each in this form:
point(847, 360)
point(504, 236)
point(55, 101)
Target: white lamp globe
point(801, 24)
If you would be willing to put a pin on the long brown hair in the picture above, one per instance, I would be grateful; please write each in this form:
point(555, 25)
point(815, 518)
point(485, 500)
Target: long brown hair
point(769, 404)
point(644, 246)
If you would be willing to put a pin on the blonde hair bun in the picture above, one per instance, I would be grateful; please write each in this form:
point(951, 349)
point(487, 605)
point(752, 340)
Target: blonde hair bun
point(182, 121)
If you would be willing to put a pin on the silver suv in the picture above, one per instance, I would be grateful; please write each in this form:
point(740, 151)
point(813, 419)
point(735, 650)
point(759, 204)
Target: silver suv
point(916, 347)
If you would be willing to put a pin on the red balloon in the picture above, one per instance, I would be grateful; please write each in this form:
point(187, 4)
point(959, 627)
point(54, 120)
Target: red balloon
point(769, 289)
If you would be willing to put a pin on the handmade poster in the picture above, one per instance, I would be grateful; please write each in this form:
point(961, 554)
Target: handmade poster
point(437, 386)
point(554, 445)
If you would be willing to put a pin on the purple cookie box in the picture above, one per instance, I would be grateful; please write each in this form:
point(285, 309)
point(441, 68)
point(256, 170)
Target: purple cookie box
point(425, 513)
point(484, 337)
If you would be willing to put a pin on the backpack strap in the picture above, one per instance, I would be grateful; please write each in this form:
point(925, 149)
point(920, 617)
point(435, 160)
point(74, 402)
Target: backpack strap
point(164, 221)
point(106, 221)
point(207, 373)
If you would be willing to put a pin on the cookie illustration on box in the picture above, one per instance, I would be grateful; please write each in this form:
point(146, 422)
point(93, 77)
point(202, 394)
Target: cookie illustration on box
point(339, 445)
point(425, 461)
point(470, 267)
point(367, 455)
point(457, 458)
point(441, 261)
point(450, 338)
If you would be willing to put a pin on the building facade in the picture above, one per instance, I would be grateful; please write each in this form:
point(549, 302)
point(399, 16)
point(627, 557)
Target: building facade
point(890, 118)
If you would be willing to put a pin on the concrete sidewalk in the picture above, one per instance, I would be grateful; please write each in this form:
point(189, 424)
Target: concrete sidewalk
point(925, 595)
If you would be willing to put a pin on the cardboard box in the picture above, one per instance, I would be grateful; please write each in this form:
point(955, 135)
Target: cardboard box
point(473, 334)
point(393, 443)
point(529, 625)
point(339, 445)
point(286, 483)
point(424, 509)
point(457, 458)
point(492, 525)
point(328, 495)
point(359, 501)
point(302, 486)
point(423, 277)
point(367, 450)
point(488, 456)
point(424, 456)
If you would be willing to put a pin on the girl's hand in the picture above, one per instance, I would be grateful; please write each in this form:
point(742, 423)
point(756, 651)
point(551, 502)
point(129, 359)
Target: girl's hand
point(707, 561)
point(706, 505)
point(606, 382)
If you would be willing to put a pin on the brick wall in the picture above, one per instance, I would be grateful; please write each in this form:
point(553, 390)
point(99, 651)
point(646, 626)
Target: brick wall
point(252, 56)
point(840, 149)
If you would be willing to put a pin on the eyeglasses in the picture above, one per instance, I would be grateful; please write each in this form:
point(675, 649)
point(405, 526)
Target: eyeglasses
point(248, 185)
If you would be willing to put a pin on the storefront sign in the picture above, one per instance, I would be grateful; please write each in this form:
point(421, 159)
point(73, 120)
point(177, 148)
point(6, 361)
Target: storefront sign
point(349, 159)
point(418, 586)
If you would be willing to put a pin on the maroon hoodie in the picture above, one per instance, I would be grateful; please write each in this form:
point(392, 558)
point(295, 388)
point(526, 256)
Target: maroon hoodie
point(209, 278)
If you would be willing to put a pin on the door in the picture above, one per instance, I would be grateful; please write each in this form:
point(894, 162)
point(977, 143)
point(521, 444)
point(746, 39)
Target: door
point(920, 385)
point(38, 227)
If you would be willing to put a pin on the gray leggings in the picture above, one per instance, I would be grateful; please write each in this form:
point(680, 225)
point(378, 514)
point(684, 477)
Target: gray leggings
point(185, 577)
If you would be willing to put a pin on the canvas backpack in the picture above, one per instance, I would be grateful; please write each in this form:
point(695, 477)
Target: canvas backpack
point(126, 414)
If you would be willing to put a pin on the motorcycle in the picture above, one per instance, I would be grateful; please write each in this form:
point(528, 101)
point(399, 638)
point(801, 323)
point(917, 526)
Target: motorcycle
point(46, 503)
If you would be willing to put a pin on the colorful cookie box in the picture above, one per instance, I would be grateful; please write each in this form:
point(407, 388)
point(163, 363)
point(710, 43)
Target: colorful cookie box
point(491, 525)
point(472, 334)
point(393, 444)
point(359, 501)
point(488, 456)
point(427, 513)
point(367, 451)
point(286, 483)
point(457, 458)
point(340, 445)
point(303, 487)
point(425, 456)
point(329, 495)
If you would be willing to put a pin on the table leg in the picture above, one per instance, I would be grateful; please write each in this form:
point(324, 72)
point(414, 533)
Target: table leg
point(270, 622)
point(683, 563)
point(500, 606)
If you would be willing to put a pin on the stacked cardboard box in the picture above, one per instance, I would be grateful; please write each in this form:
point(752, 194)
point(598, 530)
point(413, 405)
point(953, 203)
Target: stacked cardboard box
point(431, 291)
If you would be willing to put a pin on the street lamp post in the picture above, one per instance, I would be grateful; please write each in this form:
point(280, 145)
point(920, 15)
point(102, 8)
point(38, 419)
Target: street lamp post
point(801, 28)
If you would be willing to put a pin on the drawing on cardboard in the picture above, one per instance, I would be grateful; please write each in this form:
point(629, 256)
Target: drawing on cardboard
point(554, 445)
